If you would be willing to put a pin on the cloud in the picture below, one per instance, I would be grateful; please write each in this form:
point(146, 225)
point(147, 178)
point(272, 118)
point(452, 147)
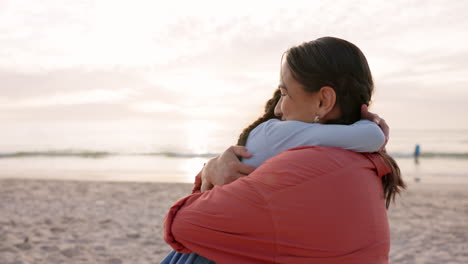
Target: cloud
point(131, 93)
point(190, 58)
point(18, 85)
point(72, 98)
point(153, 107)
point(98, 111)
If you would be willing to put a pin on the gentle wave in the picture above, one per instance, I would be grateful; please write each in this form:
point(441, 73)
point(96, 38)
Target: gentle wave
point(445, 155)
point(179, 155)
point(99, 154)
point(104, 154)
point(81, 154)
point(429, 155)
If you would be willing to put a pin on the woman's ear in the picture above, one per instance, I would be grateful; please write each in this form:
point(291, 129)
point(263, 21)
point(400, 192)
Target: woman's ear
point(327, 97)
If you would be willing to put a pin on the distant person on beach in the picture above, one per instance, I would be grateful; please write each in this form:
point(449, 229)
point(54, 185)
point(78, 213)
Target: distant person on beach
point(308, 204)
point(417, 153)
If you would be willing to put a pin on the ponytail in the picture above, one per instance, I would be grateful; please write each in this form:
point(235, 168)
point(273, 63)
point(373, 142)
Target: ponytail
point(392, 182)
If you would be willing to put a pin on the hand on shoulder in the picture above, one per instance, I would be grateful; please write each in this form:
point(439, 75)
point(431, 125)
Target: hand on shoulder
point(365, 114)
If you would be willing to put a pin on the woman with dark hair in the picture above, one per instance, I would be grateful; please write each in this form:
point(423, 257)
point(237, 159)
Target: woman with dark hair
point(308, 204)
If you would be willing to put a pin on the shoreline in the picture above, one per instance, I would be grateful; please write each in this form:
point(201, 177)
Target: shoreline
point(183, 170)
point(65, 221)
point(415, 180)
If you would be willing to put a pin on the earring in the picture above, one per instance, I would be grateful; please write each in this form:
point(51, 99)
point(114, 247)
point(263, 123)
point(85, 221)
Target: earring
point(316, 119)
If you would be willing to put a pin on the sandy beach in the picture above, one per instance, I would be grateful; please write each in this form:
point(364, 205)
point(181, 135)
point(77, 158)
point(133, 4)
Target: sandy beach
point(49, 221)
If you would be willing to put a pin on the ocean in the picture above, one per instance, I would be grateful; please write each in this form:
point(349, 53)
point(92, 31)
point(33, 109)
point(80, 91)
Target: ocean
point(148, 150)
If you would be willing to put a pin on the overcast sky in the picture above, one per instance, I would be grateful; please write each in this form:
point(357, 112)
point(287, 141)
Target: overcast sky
point(219, 60)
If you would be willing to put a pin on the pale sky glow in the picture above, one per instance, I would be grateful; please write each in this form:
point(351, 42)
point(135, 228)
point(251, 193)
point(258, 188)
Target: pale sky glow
point(71, 98)
point(217, 60)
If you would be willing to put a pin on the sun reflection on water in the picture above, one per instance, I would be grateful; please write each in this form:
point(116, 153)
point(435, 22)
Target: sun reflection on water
point(191, 167)
point(198, 133)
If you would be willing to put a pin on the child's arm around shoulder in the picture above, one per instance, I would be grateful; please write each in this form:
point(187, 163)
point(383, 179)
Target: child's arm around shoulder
point(362, 136)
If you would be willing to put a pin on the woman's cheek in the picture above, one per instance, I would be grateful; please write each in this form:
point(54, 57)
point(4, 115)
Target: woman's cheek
point(285, 108)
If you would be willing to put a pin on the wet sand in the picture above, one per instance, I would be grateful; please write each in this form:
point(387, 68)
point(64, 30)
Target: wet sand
point(49, 221)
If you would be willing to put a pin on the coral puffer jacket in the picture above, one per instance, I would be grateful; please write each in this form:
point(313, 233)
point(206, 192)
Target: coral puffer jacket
point(306, 205)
